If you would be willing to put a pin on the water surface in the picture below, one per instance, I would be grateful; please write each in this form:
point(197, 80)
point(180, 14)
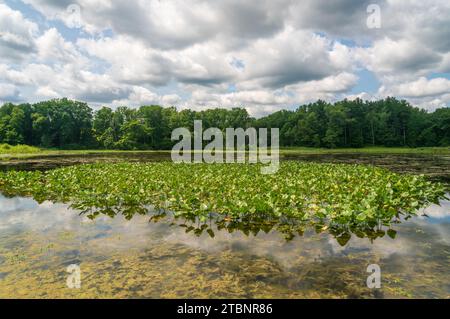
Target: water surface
point(165, 258)
point(149, 257)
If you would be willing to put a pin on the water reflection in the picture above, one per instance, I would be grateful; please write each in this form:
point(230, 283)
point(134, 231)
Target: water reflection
point(253, 224)
point(179, 257)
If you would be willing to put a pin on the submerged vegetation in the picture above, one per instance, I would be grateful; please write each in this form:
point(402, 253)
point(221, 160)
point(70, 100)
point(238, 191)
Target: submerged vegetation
point(144, 263)
point(325, 194)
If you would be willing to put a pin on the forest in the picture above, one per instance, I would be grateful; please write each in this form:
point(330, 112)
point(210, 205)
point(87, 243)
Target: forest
point(68, 124)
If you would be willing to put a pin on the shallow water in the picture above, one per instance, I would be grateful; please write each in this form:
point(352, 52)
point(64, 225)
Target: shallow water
point(143, 258)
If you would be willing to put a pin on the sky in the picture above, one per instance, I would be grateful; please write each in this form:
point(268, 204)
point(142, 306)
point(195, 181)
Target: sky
point(264, 55)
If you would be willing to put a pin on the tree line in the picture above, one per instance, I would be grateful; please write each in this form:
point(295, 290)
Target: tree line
point(66, 124)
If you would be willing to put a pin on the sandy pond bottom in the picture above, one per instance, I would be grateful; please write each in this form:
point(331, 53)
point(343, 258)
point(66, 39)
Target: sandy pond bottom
point(142, 259)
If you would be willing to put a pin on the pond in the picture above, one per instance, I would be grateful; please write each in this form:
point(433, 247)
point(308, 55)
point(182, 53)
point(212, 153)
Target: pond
point(157, 256)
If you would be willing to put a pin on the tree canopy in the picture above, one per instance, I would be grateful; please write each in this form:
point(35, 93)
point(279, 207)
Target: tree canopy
point(63, 123)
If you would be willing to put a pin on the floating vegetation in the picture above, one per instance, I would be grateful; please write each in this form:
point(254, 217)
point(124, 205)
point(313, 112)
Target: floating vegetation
point(326, 194)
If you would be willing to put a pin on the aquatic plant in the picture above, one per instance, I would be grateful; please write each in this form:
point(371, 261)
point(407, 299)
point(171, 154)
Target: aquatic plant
point(332, 193)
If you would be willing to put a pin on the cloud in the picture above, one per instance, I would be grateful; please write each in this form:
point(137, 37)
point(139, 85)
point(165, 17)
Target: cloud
point(389, 57)
point(142, 96)
point(339, 83)
point(16, 34)
point(423, 88)
point(261, 54)
point(425, 22)
point(428, 94)
point(13, 76)
point(174, 24)
point(291, 57)
point(340, 18)
point(52, 48)
point(130, 61)
point(9, 92)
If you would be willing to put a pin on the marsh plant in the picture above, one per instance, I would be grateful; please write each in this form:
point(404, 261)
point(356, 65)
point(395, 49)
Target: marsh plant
point(334, 197)
point(234, 150)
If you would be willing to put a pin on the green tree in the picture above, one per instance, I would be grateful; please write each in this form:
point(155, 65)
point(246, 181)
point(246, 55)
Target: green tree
point(135, 135)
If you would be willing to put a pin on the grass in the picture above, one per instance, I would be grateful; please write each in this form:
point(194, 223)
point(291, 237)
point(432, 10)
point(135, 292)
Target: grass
point(5, 155)
point(18, 149)
point(8, 152)
point(323, 193)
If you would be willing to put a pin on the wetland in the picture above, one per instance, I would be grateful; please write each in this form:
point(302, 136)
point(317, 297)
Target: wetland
point(128, 248)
